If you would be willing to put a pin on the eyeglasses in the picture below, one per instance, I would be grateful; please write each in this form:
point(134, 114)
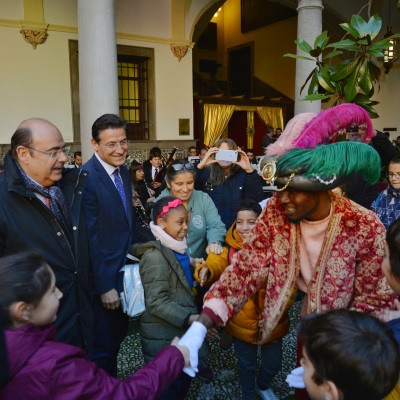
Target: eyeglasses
point(178, 167)
point(352, 128)
point(52, 153)
point(392, 175)
point(112, 146)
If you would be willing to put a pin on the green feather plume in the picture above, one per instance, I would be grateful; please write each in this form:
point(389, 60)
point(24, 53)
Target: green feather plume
point(341, 159)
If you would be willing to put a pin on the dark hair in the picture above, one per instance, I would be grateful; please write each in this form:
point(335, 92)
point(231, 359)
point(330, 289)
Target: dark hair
point(250, 151)
point(393, 241)
point(78, 153)
point(269, 129)
point(395, 159)
point(23, 277)
point(155, 150)
point(192, 147)
point(355, 351)
point(153, 155)
point(249, 205)
point(21, 137)
point(203, 148)
point(172, 173)
point(159, 205)
point(217, 174)
point(107, 121)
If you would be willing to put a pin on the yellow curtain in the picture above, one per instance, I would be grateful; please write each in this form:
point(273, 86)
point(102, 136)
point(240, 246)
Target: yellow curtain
point(271, 116)
point(216, 118)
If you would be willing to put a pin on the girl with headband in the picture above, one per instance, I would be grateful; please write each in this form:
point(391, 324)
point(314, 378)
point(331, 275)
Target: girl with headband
point(167, 277)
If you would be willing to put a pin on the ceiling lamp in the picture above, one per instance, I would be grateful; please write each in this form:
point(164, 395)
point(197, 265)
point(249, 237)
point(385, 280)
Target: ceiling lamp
point(389, 54)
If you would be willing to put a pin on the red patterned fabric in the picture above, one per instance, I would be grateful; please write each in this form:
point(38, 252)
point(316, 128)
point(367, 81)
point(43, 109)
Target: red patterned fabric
point(347, 275)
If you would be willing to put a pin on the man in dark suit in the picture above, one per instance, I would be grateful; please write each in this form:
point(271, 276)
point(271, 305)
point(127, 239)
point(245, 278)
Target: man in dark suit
point(151, 171)
point(111, 225)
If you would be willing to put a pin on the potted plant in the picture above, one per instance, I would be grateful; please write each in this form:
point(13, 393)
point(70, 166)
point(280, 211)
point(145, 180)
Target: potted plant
point(353, 79)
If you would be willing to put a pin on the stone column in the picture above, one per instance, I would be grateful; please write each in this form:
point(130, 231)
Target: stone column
point(309, 26)
point(98, 76)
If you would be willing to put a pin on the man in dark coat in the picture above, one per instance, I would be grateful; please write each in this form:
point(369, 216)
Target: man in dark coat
point(40, 208)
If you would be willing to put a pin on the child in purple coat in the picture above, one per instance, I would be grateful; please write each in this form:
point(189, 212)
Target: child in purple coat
point(43, 368)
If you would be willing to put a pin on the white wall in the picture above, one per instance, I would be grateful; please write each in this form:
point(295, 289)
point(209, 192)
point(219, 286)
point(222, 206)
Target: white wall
point(34, 83)
point(173, 89)
point(144, 18)
point(389, 98)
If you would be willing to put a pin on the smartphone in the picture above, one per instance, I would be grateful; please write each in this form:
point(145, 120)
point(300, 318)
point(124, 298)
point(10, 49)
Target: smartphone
point(227, 155)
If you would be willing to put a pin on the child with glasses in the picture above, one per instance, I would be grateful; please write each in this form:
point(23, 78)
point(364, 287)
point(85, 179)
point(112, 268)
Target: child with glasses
point(387, 204)
point(167, 276)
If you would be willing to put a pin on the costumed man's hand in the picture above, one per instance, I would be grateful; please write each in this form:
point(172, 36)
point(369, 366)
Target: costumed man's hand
point(193, 339)
point(110, 300)
point(388, 315)
point(295, 378)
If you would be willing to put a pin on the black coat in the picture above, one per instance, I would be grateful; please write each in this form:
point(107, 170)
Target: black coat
point(26, 223)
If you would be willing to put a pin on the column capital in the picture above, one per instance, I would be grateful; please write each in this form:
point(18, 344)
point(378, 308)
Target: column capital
point(307, 4)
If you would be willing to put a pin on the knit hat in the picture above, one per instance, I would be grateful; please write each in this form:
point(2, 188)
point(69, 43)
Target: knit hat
point(135, 165)
point(306, 157)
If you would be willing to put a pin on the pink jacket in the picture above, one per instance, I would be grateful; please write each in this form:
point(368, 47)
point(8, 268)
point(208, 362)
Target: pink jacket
point(42, 368)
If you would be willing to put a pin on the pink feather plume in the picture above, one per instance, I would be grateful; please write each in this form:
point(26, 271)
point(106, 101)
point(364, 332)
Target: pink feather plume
point(321, 128)
point(290, 134)
point(307, 130)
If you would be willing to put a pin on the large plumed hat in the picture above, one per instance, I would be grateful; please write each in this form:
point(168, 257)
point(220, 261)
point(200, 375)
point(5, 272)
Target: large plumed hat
point(306, 157)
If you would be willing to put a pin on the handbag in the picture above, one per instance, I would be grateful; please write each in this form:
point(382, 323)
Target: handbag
point(132, 298)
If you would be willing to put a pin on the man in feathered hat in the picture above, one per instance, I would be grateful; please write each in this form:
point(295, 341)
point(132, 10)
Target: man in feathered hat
point(308, 237)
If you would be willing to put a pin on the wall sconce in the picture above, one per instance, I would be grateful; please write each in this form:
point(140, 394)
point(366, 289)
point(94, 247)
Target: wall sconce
point(390, 54)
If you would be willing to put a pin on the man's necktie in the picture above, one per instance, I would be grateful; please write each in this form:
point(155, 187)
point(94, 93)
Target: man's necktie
point(155, 173)
point(120, 187)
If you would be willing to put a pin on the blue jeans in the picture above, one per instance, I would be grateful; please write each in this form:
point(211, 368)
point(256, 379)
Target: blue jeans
point(271, 363)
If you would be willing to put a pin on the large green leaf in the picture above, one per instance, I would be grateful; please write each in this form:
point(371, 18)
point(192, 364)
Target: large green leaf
point(339, 86)
point(314, 84)
point(375, 70)
point(345, 69)
point(366, 81)
point(362, 99)
point(332, 54)
point(374, 26)
point(321, 40)
point(325, 81)
point(352, 84)
point(296, 56)
point(375, 53)
point(314, 97)
point(303, 45)
point(346, 44)
point(360, 25)
point(349, 28)
point(314, 71)
point(371, 111)
point(316, 52)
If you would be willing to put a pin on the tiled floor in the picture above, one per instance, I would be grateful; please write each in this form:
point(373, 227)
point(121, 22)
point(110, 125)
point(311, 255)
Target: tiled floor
point(225, 385)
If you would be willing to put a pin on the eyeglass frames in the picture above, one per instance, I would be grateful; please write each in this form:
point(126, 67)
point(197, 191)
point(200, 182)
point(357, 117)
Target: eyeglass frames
point(179, 167)
point(112, 146)
point(52, 153)
point(392, 175)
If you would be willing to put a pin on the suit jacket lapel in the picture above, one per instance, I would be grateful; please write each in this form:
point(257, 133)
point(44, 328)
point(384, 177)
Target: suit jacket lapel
point(105, 179)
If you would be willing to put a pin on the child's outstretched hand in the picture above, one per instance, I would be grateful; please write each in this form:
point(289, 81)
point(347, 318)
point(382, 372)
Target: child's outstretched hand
point(183, 349)
point(388, 315)
point(203, 275)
